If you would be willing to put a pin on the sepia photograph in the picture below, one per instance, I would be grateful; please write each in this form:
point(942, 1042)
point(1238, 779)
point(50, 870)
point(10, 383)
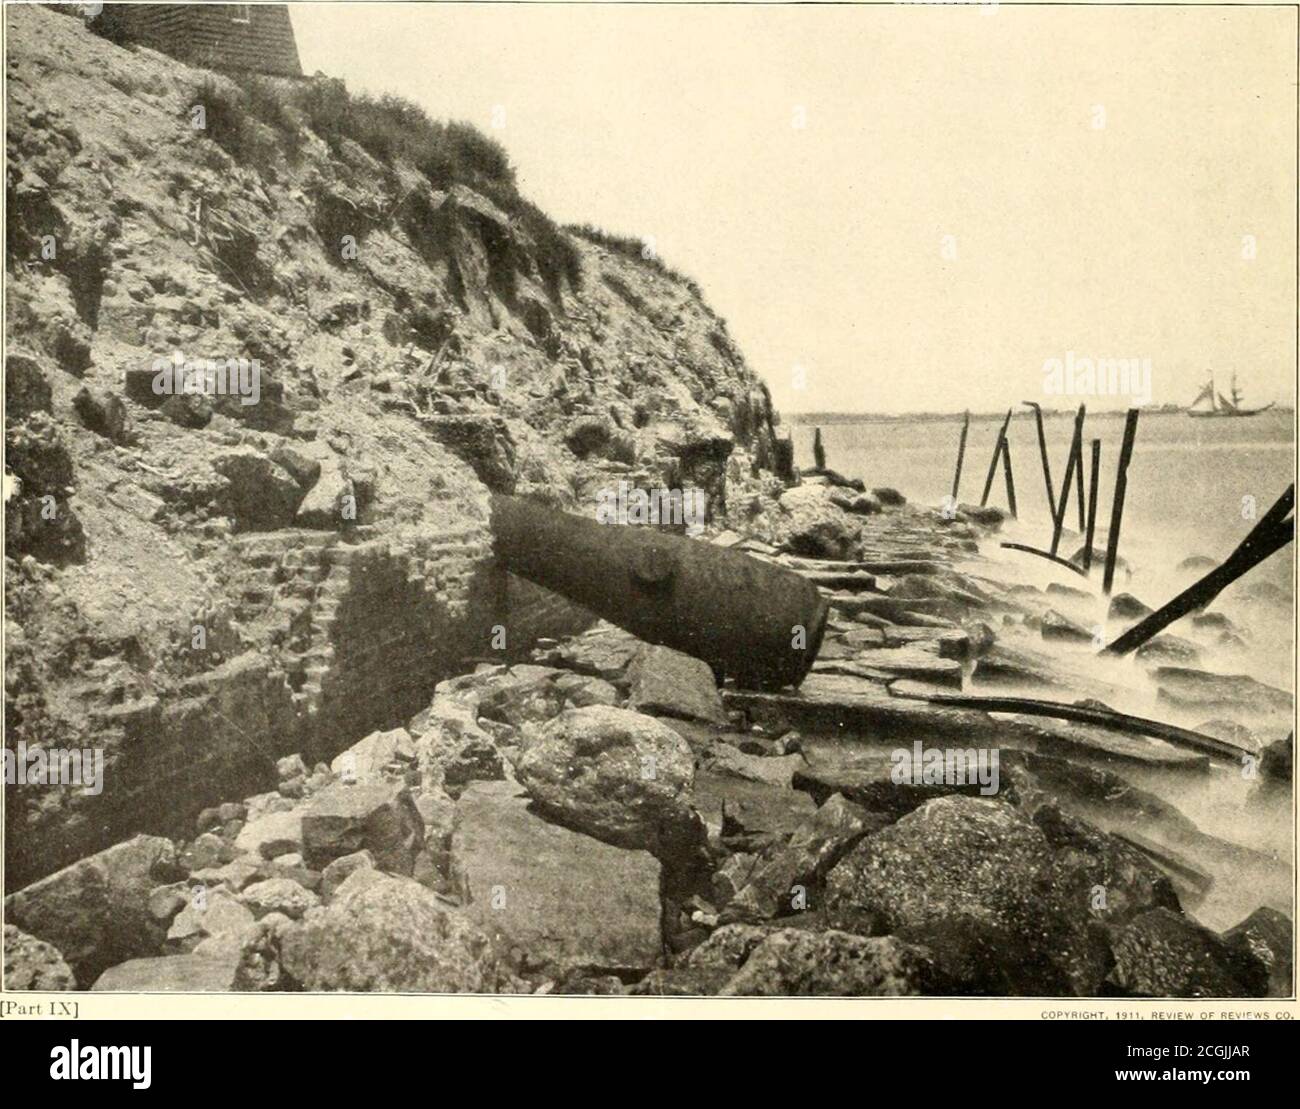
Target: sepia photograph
point(649, 504)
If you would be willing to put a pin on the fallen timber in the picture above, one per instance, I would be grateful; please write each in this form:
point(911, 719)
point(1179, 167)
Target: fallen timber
point(1275, 529)
point(754, 621)
point(1106, 718)
point(1047, 555)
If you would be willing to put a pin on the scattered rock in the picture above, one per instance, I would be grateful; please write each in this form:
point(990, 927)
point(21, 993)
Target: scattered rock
point(377, 816)
point(32, 964)
point(664, 682)
point(565, 899)
point(96, 911)
point(278, 895)
point(615, 774)
point(387, 934)
point(795, 962)
point(172, 974)
point(1163, 954)
point(102, 413)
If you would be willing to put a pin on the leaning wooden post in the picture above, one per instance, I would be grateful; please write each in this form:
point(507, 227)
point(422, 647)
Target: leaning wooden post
point(1117, 504)
point(819, 452)
point(1092, 504)
point(1042, 450)
point(1075, 463)
point(961, 454)
point(1011, 483)
point(1274, 531)
point(1078, 472)
point(997, 454)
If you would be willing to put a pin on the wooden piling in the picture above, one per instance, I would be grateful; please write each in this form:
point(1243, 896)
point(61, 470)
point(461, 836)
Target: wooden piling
point(1073, 465)
point(1275, 529)
point(1078, 473)
point(961, 455)
point(1011, 483)
point(1117, 504)
point(993, 464)
point(1092, 505)
point(1042, 451)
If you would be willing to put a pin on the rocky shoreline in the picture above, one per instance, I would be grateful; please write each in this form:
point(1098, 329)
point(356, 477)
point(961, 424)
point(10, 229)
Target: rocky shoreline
point(606, 819)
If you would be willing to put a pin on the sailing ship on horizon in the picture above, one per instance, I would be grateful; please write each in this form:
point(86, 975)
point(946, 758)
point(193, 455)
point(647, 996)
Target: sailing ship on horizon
point(1221, 406)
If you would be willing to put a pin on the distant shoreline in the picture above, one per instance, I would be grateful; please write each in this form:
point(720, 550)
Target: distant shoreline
point(829, 418)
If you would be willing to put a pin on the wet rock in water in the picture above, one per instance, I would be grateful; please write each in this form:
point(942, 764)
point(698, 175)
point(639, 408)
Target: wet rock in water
point(889, 496)
point(954, 643)
point(32, 964)
point(664, 682)
point(913, 662)
point(984, 515)
point(1277, 760)
point(815, 847)
point(953, 857)
point(1060, 628)
point(379, 817)
point(1164, 954)
point(1191, 688)
point(371, 759)
point(568, 901)
point(96, 911)
point(387, 934)
point(860, 504)
point(1125, 606)
point(1197, 564)
point(1166, 648)
point(338, 871)
point(809, 523)
point(276, 833)
point(800, 963)
point(1268, 935)
point(278, 895)
point(617, 775)
point(172, 974)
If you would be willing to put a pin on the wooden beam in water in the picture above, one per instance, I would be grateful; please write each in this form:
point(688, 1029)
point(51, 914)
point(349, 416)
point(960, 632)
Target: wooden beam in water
point(1047, 555)
point(1105, 718)
point(1275, 529)
point(1117, 504)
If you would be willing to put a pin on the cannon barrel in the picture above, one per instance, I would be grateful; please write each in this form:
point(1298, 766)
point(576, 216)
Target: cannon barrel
point(759, 623)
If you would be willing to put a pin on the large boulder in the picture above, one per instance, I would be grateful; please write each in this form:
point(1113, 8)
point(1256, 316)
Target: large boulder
point(794, 962)
point(96, 911)
point(569, 901)
point(387, 934)
point(172, 974)
point(260, 495)
point(377, 816)
point(808, 523)
point(664, 682)
point(1164, 954)
point(617, 775)
point(373, 758)
point(32, 964)
point(1267, 934)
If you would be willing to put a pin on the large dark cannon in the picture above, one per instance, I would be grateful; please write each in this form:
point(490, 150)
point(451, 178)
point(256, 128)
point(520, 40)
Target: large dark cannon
point(758, 623)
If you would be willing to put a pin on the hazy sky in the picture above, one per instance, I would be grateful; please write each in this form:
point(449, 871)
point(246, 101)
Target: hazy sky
point(901, 208)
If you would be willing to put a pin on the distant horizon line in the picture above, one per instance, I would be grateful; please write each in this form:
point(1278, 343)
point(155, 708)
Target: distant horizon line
point(830, 416)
